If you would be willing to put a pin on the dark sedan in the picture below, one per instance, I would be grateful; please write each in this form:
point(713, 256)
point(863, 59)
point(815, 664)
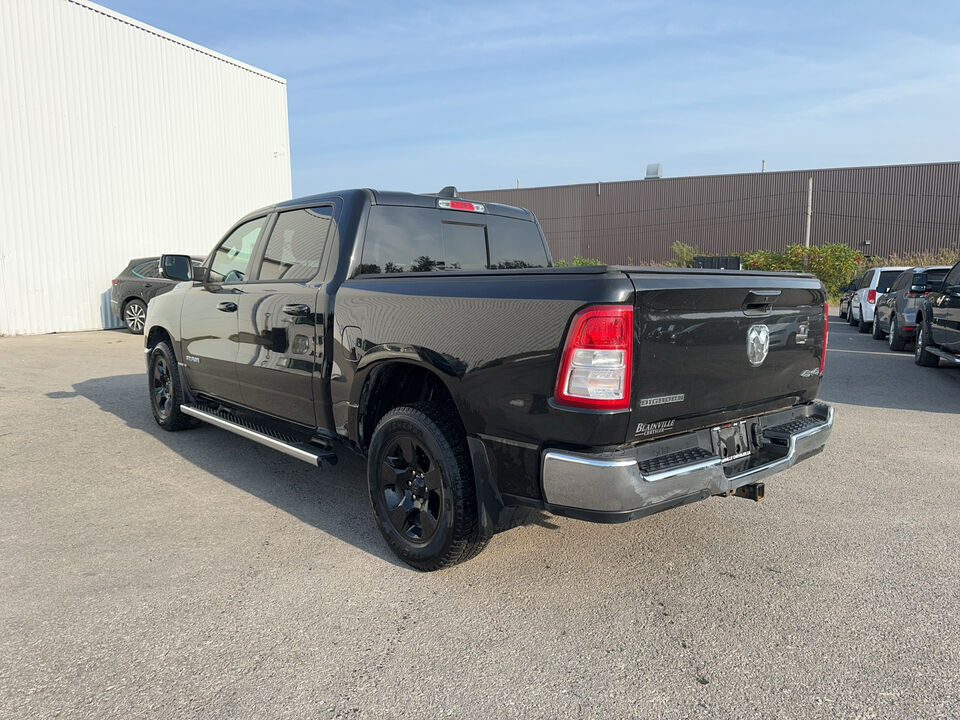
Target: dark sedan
point(896, 311)
point(133, 288)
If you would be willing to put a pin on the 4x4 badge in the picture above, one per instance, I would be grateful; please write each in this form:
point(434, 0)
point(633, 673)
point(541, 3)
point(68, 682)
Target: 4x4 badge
point(758, 344)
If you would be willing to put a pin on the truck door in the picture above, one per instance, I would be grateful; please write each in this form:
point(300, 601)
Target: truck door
point(281, 319)
point(208, 321)
point(945, 327)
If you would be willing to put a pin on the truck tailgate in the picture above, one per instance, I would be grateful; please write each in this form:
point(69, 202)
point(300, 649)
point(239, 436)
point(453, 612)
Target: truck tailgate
point(692, 366)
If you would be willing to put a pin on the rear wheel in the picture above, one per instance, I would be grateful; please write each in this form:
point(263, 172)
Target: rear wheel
point(862, 326)
point(893, 336)
point(135, 316)
point(841, 313)
point(851, 320)
point(921, 356)
point(421, 488)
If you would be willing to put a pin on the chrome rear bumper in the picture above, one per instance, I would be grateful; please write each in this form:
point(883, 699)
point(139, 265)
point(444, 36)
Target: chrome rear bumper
point(655, 476)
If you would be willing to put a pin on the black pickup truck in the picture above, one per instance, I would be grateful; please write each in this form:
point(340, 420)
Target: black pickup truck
point(433, 335)
point(938, 322)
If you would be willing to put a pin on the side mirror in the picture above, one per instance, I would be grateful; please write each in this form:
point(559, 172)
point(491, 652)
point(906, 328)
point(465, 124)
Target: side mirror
point(176, 267)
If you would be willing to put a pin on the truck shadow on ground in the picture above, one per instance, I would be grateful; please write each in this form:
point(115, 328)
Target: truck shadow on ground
point(334, 500)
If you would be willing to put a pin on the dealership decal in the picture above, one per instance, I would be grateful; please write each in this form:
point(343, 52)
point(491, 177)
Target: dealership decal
point(655, 427)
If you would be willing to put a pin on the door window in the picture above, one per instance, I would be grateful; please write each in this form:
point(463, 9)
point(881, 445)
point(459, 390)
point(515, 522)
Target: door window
point(296, 245)
point(231, 259)
point(150, 269)
point(887, 278)
point(953, 277)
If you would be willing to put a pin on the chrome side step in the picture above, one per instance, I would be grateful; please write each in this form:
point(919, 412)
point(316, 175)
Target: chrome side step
point(300, 451)
point(948, 356)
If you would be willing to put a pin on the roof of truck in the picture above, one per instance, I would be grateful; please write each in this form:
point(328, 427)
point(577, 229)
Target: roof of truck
point(408, 199)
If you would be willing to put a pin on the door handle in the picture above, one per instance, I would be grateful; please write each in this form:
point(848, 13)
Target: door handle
point(298, 310)
point(227, 307)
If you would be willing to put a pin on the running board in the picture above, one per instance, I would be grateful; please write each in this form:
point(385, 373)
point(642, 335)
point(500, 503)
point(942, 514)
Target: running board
point(301, 451)
point(948, 356)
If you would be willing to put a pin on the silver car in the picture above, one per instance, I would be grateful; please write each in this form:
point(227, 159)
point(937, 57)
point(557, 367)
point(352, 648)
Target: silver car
point(896, 311)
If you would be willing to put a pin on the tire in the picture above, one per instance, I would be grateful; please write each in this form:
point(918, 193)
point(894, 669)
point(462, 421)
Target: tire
point(425, 505)
point(894, 340)
point(841, 314)
point(135, 316)
point(166, 392)
point(920, 354)
point(862, 326)
point(876, 332)
point(851, 320)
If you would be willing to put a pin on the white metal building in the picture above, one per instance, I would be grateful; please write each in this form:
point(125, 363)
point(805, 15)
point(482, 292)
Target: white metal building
point(118, 141)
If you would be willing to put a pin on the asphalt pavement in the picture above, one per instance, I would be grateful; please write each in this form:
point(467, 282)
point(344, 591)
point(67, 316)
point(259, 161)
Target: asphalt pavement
point(146, 574)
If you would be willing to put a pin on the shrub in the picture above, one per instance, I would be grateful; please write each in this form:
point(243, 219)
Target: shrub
point(578, 262)
point(833, 264)
point(683, 254)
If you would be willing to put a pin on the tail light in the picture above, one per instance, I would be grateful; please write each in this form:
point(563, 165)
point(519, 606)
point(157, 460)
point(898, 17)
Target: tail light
point(871, 296)
point(597, 358)
point(114, 281)
point(461, 205)
point(826, 331)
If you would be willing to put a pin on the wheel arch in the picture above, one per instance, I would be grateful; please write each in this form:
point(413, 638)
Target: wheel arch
point(391, 383)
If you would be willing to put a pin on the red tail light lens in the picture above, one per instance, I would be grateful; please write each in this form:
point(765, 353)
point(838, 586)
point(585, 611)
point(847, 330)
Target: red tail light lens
point(114, 281)
point(597, 358)
point(871, 296)
point(826, 331)
point(460, 205)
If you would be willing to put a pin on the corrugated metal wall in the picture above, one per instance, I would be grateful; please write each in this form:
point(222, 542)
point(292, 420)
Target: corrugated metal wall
point(119, 141)
point(896, 208)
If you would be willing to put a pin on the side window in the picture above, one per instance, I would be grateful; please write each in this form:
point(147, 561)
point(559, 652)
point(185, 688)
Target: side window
point(901, 282)
point(865, 280)
point(231, 259)
point(953, 277)
point(296, 245)
point(149, 269)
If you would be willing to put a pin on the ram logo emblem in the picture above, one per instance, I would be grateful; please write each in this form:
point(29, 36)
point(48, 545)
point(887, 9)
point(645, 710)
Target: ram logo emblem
point(758, 344)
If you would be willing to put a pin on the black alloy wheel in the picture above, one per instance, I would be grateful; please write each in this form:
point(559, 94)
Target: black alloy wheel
point(162, 384)
point(166, 393)
point(421, 487)
point(412, 488)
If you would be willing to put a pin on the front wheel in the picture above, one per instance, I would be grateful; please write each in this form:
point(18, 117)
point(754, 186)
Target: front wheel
point(421, 488)
point(862, 325)
point(896, 342)
point(841, 313)
point(922, 356)
point(166, 392)
point(877, 333)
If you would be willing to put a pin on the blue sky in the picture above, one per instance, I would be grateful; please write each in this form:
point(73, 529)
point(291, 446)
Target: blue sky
point(418, 95)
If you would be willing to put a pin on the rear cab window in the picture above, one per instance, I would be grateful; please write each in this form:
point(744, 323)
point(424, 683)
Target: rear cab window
point(416, 239)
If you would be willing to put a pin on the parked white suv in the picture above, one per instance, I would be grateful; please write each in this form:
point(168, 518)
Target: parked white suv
point(870, 284)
